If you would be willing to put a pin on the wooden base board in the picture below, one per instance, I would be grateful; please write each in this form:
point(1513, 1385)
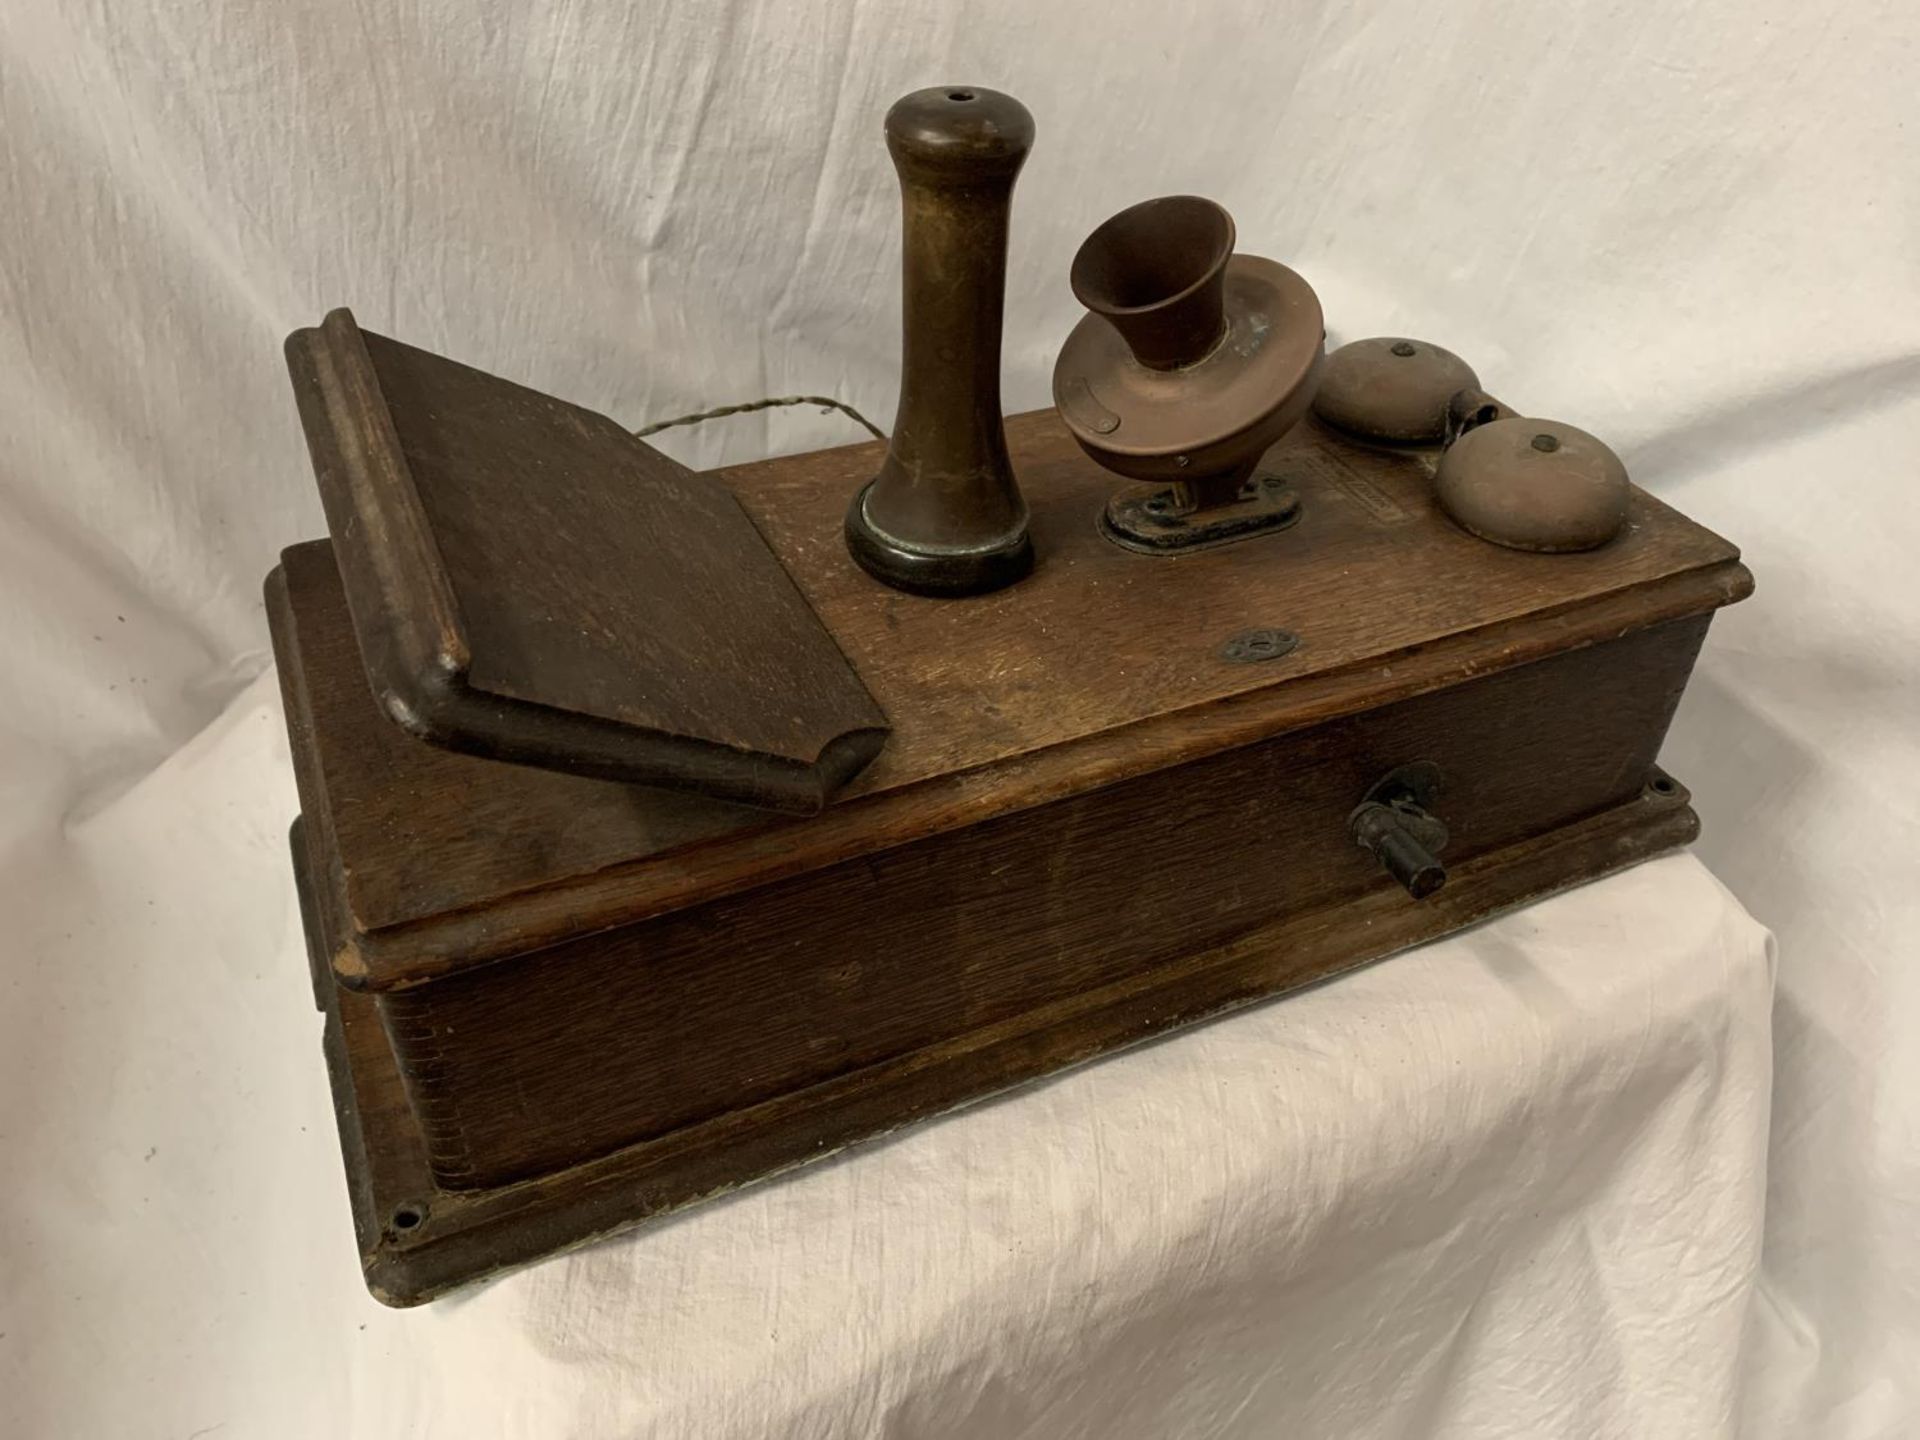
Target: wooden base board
point(417, 1241)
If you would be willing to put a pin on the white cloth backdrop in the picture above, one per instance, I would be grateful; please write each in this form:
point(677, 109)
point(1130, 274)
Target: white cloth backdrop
point(1693, 230)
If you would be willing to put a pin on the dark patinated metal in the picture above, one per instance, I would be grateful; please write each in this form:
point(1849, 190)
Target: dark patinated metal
point(1250, 647)
point(1533, 485)
point(1395, 824)
point(1183, 517)
point(945, 516)
point(1470, 409)
point(1392, 391)
point(1192, 364)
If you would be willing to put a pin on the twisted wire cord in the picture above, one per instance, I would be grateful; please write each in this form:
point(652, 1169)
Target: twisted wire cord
point(825, 403)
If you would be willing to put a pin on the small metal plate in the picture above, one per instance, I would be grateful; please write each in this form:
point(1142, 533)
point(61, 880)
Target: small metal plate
point(1250, 647)
point(1156, 524)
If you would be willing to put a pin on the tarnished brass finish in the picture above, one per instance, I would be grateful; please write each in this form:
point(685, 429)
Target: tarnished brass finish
point(1193, 362)
point(1180, 517)
point(945, 516)
point(1470, 409)
point(1391, 390)
point(1533, 485)
point(1526, 484)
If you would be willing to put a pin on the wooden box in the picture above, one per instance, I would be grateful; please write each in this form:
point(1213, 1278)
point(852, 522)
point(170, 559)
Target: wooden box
point(556, 1006)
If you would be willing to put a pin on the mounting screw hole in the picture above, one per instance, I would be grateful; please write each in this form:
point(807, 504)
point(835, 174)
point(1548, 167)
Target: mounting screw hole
point(1545, 444)
point(960, 94)
point(407, 1217)
point(1403, 348)
point(1661, 785)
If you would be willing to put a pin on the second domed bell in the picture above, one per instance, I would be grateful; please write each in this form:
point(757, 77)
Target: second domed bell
point(1538, 485)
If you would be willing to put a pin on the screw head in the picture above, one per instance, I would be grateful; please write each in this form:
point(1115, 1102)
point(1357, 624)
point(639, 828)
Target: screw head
point(1251, 646)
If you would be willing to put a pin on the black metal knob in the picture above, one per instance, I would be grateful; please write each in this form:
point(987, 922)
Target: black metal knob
point(1394, 826)
point(1383, 831)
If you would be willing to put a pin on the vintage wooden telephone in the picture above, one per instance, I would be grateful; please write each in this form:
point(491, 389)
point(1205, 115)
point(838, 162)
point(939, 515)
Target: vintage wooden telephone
point(650, 845)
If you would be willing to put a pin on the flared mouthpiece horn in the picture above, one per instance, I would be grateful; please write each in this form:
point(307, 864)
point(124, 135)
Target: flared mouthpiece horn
point(1157, 273)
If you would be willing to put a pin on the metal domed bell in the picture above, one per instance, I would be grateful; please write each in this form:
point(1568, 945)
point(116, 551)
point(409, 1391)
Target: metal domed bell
point(1526, 484)
point(1533, 485)
point(1392, 391)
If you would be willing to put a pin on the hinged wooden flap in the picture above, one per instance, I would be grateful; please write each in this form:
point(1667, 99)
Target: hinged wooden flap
point(529, 582)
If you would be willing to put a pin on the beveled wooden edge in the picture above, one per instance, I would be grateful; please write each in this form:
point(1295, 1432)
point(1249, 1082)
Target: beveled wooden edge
point(412, 639)
point(322, 887)
point(413, 642)
point(424, 950)
point(471, 1236)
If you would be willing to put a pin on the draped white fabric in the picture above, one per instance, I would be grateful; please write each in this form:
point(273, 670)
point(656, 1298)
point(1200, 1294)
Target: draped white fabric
point(1510, 1185)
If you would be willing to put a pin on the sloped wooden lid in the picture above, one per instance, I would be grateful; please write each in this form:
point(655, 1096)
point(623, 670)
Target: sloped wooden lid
point(529, 582)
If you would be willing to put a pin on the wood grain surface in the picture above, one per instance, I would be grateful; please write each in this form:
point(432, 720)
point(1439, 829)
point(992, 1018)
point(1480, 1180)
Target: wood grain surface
point(1102, 666)
point(557, 1006)
point(459, 1236)
point(529, 582)
point(524, 1065)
